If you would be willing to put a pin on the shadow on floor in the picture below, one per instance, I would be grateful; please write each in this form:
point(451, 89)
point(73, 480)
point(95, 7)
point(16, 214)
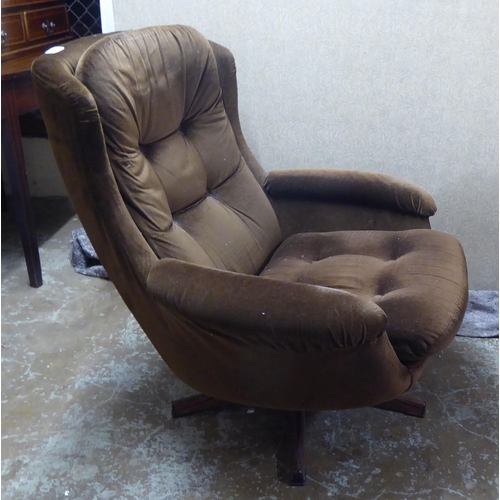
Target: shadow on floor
point(50, 215)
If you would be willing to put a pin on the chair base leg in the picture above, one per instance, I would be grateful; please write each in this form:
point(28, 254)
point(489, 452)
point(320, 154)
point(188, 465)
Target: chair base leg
point(298, 459)
point(198, 403)
point(194, 404)
point(405, 404)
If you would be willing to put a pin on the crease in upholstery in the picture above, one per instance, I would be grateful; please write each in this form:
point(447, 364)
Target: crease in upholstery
point(198, 85)
point(206, 194)
point(239, 167)
point(242, 219)
point(183, 58)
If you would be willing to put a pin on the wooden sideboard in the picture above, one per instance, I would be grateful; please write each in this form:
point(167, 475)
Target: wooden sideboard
point(32, 26)
point(29, 27)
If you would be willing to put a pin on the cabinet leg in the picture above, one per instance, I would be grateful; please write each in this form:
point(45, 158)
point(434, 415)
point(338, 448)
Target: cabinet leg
point(14, 157)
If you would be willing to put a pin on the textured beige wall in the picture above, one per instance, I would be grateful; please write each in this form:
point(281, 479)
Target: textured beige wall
point(400, 87)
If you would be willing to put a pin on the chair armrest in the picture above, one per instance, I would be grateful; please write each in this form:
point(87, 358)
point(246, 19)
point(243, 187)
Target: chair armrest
point(350, 187)
point(262, 311)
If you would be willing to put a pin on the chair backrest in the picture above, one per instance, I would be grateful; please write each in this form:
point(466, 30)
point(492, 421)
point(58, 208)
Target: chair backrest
point(173, 150)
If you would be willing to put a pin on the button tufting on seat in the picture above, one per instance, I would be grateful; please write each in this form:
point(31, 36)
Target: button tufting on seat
point(391, 275)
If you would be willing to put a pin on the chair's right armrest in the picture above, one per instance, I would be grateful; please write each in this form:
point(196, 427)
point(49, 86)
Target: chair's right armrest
point(353, 187)
point(308, 200)
point(281, 315)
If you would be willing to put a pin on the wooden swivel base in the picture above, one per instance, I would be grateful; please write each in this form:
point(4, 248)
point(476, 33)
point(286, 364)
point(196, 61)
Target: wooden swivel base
point(194, 404)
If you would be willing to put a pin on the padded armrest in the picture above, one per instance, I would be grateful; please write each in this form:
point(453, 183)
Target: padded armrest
point(350, 187)
point(281, 315)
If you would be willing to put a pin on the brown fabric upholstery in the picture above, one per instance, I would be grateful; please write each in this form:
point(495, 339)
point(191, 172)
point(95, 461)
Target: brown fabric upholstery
point(417, 277)
point(352, 187)
point(145, 130)
point(173, 151)
point(310, 216)
point(336, 200)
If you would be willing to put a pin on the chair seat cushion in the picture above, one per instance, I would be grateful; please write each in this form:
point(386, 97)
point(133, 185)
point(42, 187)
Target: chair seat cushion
point(418, 277)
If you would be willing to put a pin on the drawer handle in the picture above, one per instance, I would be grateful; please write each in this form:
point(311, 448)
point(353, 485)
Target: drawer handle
point(48, 27)
point(4, 36)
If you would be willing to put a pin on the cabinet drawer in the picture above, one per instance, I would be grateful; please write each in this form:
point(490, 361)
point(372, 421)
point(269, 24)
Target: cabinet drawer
point(23, 3)
point(44, 23)
point(12, 30)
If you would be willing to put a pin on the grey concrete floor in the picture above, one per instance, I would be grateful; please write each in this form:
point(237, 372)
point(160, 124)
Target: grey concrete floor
point(85, 410)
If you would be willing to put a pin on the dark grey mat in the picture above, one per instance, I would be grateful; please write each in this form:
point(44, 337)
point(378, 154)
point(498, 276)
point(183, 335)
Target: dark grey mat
point(481, 317)
point(83, 257)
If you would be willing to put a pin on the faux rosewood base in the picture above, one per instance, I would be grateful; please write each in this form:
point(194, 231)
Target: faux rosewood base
point(298, 461)
point(405, 404)
point(194, 404)
point(198, 403)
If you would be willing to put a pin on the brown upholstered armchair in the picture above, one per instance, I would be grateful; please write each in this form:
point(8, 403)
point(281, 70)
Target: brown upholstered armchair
point(299, 290)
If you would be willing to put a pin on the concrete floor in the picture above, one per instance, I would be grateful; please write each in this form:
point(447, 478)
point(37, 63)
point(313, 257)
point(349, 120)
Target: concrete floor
point(85, 410)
